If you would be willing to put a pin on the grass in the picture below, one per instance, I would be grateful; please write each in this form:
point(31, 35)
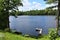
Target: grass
point(10, 36)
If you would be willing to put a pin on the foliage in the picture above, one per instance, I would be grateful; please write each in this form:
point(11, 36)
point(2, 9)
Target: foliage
point(56, 1)
point(51, 1)
point(10, 36)
point(5, 7)
point(37, 12)
point(7, 30)
point(53, 34)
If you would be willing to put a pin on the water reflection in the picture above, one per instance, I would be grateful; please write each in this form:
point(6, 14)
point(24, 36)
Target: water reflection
point(27, 24)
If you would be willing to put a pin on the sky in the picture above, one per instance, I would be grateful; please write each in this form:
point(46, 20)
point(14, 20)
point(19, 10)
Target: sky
point(34, 5)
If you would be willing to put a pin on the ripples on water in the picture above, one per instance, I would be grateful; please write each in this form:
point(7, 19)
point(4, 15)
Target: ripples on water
point(27, 24)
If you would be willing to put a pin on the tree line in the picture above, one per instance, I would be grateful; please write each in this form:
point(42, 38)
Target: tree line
point(36, 12)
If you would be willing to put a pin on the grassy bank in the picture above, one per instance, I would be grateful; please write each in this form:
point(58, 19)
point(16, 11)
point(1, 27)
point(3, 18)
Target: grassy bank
point(10, 36)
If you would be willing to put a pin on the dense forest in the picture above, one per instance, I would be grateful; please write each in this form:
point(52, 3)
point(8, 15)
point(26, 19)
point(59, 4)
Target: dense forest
point(36, 12)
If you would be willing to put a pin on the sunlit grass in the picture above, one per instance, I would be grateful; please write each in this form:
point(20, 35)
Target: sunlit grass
point(10, 36)
point(45, 37)
point(2, 36)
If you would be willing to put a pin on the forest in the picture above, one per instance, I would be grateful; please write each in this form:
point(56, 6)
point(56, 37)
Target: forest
point(36, 12)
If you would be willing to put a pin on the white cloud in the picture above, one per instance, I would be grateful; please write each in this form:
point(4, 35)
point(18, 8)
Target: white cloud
point(26, 3)
point(49, 5)
point(36, 5)
point(55, 8)
point(33, 6)
point(29, 6)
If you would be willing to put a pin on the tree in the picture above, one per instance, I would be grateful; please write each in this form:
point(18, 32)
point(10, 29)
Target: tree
point(56, 1)
point(5, 7)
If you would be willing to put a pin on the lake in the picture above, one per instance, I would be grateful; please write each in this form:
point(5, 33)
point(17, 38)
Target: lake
point(28, 24)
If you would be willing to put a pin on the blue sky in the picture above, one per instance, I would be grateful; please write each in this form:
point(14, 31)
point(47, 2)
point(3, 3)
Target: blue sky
point(34, 5)
point(38, 1)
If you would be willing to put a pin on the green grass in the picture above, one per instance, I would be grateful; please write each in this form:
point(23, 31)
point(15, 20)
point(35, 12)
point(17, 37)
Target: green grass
point(10, 36)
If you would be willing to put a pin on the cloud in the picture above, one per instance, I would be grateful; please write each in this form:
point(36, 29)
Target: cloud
point(35, 6)
point(55, 8)
point(49, 5)
point(27, 5)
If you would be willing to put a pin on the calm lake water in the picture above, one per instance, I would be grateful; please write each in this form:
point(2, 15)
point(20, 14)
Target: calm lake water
point(28, 24)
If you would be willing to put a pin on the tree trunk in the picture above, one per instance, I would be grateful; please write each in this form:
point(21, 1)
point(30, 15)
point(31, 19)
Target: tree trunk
point(7, 14)
point(4, 21)
point(58, 15)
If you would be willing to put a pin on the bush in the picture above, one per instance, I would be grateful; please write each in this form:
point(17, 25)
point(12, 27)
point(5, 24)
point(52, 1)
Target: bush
point(18, 33)
point(27, 35)
point(52, 34)
point(7, 30)
point(15, 32)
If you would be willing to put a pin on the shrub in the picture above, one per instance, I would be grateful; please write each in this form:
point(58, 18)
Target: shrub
point(7, 30)
point(27, 35)
point(18, 33)
point(52, 34)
